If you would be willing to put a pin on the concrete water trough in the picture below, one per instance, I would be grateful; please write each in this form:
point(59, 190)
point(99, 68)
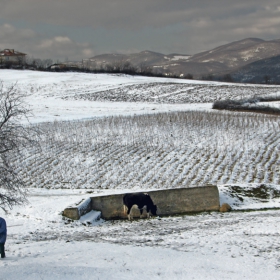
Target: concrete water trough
point(168, 201)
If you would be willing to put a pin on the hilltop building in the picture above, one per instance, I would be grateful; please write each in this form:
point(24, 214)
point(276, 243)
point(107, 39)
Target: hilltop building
point(10, 56)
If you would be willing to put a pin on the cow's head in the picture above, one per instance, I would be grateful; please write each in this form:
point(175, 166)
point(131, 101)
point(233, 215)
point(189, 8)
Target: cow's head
point(154, 210)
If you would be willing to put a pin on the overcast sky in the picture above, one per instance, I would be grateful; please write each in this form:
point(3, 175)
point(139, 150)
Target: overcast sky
point(73, 30)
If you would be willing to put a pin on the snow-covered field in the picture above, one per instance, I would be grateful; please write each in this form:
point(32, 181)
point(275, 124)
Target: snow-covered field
point(206, 246)
point(155, 151)
point(54, 95)
point(152, 145)
point(66, 96)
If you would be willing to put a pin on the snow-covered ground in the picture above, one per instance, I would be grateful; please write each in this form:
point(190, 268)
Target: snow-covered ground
point(240, 244)
point(275, 104)
point(41, 245)
point(54, 95)
point(68, 96)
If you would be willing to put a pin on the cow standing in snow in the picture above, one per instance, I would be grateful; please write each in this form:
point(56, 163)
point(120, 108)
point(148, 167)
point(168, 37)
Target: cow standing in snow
point(141, 200)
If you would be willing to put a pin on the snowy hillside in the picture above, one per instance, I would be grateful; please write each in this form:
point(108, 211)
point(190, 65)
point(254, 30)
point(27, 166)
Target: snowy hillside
point(68, 96)
point(113, 134)
point(155, 151)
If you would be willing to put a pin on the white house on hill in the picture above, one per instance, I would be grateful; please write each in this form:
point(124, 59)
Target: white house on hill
point(10, 56)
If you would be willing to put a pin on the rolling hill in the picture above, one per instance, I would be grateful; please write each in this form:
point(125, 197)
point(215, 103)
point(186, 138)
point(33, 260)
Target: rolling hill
point(262, 71)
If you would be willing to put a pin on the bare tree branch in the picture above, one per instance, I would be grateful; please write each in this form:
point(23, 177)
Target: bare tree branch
point(14, 137)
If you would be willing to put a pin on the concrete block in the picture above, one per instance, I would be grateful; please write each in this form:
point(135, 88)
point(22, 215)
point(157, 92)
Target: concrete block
point(76, 211)
point(71, 213)
point(168, 201)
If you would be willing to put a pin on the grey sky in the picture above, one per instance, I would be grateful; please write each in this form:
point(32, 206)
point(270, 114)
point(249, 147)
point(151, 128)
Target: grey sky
point(74, 29)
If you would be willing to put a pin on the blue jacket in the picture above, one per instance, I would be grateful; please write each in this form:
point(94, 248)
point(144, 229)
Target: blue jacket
point(3, 230)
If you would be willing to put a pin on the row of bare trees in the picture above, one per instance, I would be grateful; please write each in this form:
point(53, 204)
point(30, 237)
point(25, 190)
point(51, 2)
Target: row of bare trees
point(27, 63)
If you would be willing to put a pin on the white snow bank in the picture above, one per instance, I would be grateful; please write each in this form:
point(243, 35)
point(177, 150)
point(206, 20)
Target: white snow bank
point(89, 260)
point(275, 104)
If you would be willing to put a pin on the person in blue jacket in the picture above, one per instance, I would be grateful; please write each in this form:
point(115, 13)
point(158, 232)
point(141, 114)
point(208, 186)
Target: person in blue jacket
point(3, 236)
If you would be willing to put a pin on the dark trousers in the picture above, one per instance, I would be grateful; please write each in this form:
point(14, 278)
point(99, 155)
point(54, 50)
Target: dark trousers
point(2, 250)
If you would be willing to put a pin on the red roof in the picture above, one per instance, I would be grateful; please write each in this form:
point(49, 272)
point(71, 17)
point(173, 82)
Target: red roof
point(11, 52)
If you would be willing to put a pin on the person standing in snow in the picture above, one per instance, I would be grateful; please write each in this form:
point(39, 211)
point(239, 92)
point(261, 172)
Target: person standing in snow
point(3, 236)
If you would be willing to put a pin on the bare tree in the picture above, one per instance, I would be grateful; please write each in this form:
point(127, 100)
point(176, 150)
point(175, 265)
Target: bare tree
point(227, 78)
point(144, 69)
point(266, 79)
point(189, 76)
point(14, 137)
point(20, 60)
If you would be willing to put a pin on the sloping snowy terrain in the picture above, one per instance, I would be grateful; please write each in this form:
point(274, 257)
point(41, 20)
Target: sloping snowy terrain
point(234, 245)
point(159, 147)
point(171, 92)
point(53, 95)
point(155, 151)
point(66, 96)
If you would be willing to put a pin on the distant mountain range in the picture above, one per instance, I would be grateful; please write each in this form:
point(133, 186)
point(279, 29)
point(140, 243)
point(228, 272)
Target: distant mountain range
point(248, 60)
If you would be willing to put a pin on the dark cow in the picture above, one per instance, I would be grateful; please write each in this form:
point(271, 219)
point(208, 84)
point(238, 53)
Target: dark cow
point(141, 200)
